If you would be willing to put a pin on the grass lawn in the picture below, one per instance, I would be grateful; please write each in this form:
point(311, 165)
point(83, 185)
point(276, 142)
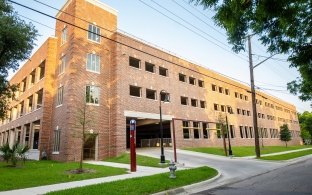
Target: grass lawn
point(145, 185)
point(37, 173)
point(288, 156)
point(241, 151)
point(141, 160)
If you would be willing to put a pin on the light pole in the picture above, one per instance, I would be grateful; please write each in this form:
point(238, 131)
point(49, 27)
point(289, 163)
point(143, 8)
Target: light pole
point(166, 99)
point(228, 132)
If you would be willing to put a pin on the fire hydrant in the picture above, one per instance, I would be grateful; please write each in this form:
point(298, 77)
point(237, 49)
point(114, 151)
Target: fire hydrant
point(172, 168)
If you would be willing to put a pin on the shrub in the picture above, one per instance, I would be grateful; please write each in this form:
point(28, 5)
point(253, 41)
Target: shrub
point(15, 154)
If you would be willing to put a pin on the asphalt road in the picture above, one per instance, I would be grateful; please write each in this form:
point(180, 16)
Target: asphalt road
point(295, 179)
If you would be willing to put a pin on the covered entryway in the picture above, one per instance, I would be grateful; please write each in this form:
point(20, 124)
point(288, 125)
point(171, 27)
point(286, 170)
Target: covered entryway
point(89, 147)
point(148, 129)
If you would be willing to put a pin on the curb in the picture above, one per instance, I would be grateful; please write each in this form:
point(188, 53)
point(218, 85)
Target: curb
point(185, 188)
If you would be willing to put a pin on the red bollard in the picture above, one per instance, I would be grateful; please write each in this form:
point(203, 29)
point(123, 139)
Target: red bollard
point(132, 146)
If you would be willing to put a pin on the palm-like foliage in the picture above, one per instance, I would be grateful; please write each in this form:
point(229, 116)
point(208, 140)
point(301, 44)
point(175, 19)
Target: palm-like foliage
point(16, 153)
point(5, 150)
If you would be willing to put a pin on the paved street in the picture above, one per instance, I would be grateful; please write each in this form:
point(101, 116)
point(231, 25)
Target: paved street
point(293, 179)
point(232, 170)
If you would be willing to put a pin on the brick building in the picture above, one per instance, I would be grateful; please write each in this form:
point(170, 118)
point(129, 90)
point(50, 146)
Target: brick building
point(90, 66)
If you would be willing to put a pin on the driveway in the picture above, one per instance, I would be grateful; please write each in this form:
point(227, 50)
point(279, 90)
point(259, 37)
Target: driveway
point(231, 169)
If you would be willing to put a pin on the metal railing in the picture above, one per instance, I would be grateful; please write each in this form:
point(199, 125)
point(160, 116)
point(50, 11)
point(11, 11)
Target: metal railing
point(155, 142)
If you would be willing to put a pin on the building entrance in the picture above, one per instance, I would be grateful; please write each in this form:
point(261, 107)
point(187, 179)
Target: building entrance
point(148, 133)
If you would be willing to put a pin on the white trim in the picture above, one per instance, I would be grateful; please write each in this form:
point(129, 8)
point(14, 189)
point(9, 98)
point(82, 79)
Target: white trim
point(146, 115)
point(103, 6)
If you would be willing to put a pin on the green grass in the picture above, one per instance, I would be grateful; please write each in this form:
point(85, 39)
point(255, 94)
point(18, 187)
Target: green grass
point(145, 185)
point(240, 151)
point(288, 156)
point(37, 173)
point(141, 160)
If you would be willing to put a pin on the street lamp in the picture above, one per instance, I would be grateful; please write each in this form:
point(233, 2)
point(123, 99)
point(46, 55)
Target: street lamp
point(228, 132)
point(166, 99)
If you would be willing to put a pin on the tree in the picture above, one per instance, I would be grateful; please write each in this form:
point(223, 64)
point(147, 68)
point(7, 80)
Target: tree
point(285, 134)
point(84, 121)
point(305, 121)
point(16, 43)
point(221, 125)
point(284, 27)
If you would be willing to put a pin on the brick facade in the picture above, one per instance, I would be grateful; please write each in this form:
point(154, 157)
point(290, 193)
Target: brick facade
point(115, 106)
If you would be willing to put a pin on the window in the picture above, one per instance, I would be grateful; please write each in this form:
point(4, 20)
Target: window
point(94, 33)
point(135, 91)
point(39, 98)
point(92, 94)
point(57, 138)
point(251, 132)
point(151, 94)
point(244, 112)
point(241, 96)
point(165, 96)
point(220, 89)
point(216, 107)
point(23, 85)
point(260, 132)
point(213, 87)
point(205, 131)
point(163, 71)
point(232, 131)
point(202, 104)
point(27, 132)
point(222, 108)
point(227, 92)
point(236, 95)
point(201, 83)
point(42, 70)
point(219, 128)
point(246, 97)
point(136, 63)
point(238, 111)
point(32, 78)
point(230, 110)
point(60, 92)
point(259, 115)
point(246, 132)
point(196, 129)
point(93, 63)
point(248, 113)
point(241, 131)
point(62, 65)
point(182, 77)
point(263, 116)
point(192, 80)
point(64, 36)
point(265, 130)
point(21, 108)
point(149, 67)
point(184, 100)
point(194, 102)
point(186, 132)
point(30, 104)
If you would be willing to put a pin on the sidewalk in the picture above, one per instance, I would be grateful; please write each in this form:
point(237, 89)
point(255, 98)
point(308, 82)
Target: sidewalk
point(141, 171)
point(277, 153)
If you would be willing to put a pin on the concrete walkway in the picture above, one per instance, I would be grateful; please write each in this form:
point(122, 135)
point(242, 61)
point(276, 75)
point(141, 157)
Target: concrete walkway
point(141, 171)
point(278, 153)
point(230, 170)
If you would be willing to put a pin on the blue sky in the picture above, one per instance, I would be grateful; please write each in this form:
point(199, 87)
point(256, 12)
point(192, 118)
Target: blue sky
point(197, 39)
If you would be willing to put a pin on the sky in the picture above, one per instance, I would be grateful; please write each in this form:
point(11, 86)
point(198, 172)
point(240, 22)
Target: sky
point(185, 30)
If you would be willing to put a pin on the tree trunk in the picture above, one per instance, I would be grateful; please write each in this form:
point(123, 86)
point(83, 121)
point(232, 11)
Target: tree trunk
point(286, 144)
